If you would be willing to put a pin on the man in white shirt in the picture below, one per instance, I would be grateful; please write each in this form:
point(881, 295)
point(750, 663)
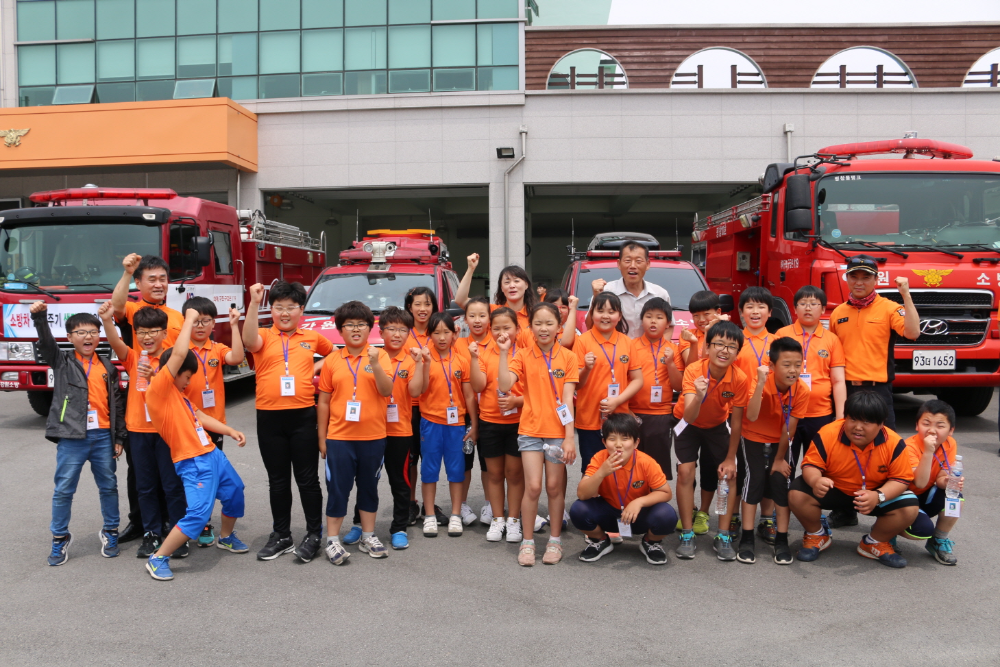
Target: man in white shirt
point(632, 289)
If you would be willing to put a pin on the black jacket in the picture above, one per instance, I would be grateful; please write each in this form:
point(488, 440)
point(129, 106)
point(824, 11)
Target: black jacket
point(68, 414)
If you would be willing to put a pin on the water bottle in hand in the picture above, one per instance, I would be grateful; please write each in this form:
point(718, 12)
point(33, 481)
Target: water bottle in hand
point(722, 496)
point(468, 445)
point(553, 453)
point(951, 491)
point(142, 382)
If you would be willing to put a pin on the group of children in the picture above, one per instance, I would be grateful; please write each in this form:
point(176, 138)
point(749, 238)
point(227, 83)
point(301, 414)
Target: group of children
point(524, 388)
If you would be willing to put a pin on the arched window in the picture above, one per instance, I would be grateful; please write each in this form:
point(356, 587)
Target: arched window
point(985, 72)
point(863, 67)
point(587, 68)
point(718, 67)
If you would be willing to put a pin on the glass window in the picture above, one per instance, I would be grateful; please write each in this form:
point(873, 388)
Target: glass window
point(322, 50)
point(377, 291)
point(36, 97)
point(75, 63)
point(150, 91)
point(115, 92)
point(410, 81)
point(195, 17)
point(115, 19)
point(238, 55)
point(237, 15)
point(182, 259)
point(116, 60)
point(279, 52)
point(75, 19)
point(410, 46)
point(454, 45)
point(454, 79)
point(453, 10)
point(279, 15)
point(409, 11)
point(36, 65)
point(497, 9)
point(365, 48)
point(239, 88)
point(284, 85)
point(322, 84)
point(364, 83)
point(497, 44)
point(364, 12)
point(194, 88)
point(322, 13)
point(196, 56)
point(74, 95)
point(154, 18)
point(499, 78)
point(36, 21)
point(223, 253)
point(155, 60)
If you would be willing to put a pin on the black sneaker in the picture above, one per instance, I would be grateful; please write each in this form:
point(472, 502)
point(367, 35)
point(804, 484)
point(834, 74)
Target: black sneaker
point(595, 550)
point(276, 545)
point(131, 532)
point(842, 519)
point(766, 530)
point(150, 544)
point(309, 547)
point(655, 555)
point(744, 553)
point(441, 517)
point(414, 513)
point(782, 554)
point(183, 551)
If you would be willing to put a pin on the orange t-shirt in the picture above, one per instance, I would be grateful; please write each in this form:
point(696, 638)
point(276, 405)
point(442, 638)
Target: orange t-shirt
point(174, 419)
point(644, 474)
point(885, 459)
point(489, 406)
point(653, 359)
point(419, 340)
point(523, 320)
point(211, 359)
point(774, 407)
point(461, 345)
point(174, 321)
point(440, 393)
point(269, 362)
point(337, 378)
point(697, 352)
point(753, 354)
point(97, 388)
point(733, 391)
point(618, 349)
point(943, 455)
point(539, 418)
point(822, 352)
point(865, 335)
point(402, 369)
point(135, 409)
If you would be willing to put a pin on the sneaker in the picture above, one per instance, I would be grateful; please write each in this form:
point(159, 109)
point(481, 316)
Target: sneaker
point(60, 549)
point(131, 532)
point(565, 518)
point(276, 546)
point(373, 547)
point(514, 533)
point(400, 541)
point(183, 551)
point(455, 526)
point(942, 549)
point(782, 554)
point(414, 513)
point(109, 543)
point(526, 555)
point(553, 554)
point(882, 552)
point(232, 543)
point(486, 514)
point(766, 530)
point(430, 526)
point(723, 546)
point(308, 548)
point(686, 547)
point(596, 549)
point(353, 535)
point(438, 514)
point(468, 516)
point(653, 551)
point(700, 526)
point(336, 552)
point(159, 568)
point(616, 538)
point(150, 545)
point(495, 533)
point(842, 519)
point(735, 525)
point(540, 523)
point(745, 553)
point(812, 545)
point(207, 537)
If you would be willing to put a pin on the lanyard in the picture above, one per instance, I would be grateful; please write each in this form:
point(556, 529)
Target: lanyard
point(618, 489)
point(204, 364)
point(807, 340)
point(417, 340)
point(860, 469)
point(787, 409)
point(89, 364)
point(656, 358)
point(614, 354)
point(548, 363)
point(708, 389)
point(754, 348)
point(946, 464)
point(197, 424)
point(285, 340)
point(354, 372)
point(447, 377)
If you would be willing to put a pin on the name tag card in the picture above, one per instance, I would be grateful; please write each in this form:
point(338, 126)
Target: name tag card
point(288, 385)
point(353, 413)
point(953, 507)
point(392, 413)
point(656, 394)
point(681, 425)
point(452, 416)
point(564, 415)
point(613, 390)
point(92, 420)
point(807, 378)
point(624, 529)
point(208, 398)
point(202, 436)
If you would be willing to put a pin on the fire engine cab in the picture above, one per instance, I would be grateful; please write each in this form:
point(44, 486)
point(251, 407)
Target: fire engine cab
point(931, 217)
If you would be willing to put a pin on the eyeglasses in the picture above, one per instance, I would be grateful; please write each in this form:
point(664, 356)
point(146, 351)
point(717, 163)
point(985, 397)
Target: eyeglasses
point(204, 323)
point(280, 310)
point(83, 333)
point(148, 334)
point(354, 327)
point(722, 347)
point(810, 304)
point(394, 330)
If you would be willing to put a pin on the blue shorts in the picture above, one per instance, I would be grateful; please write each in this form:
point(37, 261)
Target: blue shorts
point(350, 463)
point(441, 442)
point(208, 478)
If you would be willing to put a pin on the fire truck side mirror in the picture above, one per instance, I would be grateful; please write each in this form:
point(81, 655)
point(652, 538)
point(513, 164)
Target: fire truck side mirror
point(799, 220)
point(726, 303)
point(797, 194)
point(203, 250)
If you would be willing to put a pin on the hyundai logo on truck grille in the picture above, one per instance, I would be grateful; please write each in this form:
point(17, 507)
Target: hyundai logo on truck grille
point(933, 327)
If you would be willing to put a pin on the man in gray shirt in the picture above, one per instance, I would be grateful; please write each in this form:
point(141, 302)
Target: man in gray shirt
point(632, 289)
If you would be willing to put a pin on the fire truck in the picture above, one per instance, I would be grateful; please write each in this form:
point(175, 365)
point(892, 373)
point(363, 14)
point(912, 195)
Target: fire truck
point(67, 251)
point(931, 217)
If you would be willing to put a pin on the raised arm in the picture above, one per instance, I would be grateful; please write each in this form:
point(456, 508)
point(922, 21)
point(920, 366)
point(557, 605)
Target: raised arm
point(46, 343)
point(505, 378)
point(476, 374)
point(120, 294)
point(251, 336)
point(753, 408)
point(382, 381)
point(183, 343)
point(911, 320)
point(106, 313)
point(922, 473)
point(569, 326)
point(418, 382)
point(462, 295)
point(236, 355)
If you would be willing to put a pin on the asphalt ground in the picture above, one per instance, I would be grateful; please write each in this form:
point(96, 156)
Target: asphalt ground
point(464, 601)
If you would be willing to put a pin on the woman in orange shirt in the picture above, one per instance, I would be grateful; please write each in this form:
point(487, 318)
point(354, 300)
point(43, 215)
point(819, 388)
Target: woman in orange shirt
point(513, 290)
point(477, 318)
point(420, 303)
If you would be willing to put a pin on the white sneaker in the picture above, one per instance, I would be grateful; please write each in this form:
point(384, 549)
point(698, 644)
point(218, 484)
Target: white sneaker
point(565, 519)
point(468, 516)
point(430, 526)
point(495, 533)
point(336, 552)
point(455, 526)
point(514, 533)
point(616, 538)
point(486, 514)
point(540, 523)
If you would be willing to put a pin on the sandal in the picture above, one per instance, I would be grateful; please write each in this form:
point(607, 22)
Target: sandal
point(553, 554)
point(526, 555)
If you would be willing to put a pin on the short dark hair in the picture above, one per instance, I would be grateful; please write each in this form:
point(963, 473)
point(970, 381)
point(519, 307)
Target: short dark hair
point(418, 291)
point(353, 310)
point(758, 295)
point(149, 262)
point(515, 271)
point(544, 305)
point(936, 407)
point(658, 303)
point(724, 329)
point(783, 344)
point(809, 291)
point(477, 299)
point(504, 311)
point(295, 292)
point(702, 301)
point(200, 305)
point(150, 318)
point(190, 362)
point(557, 295)
point(632, 245)
point(79, 319)
point(441, 318)
point(395, 315)
point(620, 423)
point(866, 406)
point(611, 299)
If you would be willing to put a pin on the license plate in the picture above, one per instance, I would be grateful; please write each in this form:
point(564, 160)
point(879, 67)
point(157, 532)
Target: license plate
point(50, 378)
point(937, 360)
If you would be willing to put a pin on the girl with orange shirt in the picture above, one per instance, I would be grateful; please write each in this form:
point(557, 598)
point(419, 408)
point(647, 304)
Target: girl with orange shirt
point(477, 318)
point(421, 303)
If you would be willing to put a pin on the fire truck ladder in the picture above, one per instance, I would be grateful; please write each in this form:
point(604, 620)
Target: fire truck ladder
point(747, 214)
point(260, 228)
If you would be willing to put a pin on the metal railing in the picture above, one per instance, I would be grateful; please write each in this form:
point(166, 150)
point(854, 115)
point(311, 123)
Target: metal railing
point(990, 76)
point(259, 228)
point(880, 78)
point(697, 78)
point(600, 80)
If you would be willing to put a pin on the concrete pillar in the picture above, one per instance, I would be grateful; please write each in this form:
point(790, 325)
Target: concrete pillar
point(515, 224)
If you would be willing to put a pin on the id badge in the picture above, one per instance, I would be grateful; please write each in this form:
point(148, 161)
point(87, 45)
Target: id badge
point(353, 413)
point(681, 425)
point(208, 398)
point(564, 416)
point(92, 420)
point(452, 415)
point(288, 385)
point(202, 436)
point(656, 394)
point(624, 529)
point(146, 408)
point(508, 413)
point(613, 390)
point(952, 506)
point(807, 378)
point(392, 413)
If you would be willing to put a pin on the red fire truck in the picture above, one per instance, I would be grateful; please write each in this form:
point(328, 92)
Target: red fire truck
point(68, 251)
point(932, 219)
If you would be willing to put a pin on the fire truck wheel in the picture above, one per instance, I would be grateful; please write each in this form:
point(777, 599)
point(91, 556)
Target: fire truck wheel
point(40, 401)
point(967, 401)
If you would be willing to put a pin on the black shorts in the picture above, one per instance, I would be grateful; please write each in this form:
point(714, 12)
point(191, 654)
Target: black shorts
point(656, 435)
point(713, 446)
point(415, 448)
point(497, 440)
point(804, 433)
point(755, 481)
point(837, 500)
point(217, 439)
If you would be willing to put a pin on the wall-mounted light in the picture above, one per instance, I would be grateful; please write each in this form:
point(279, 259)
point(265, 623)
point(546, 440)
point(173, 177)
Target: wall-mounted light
point(505, 153)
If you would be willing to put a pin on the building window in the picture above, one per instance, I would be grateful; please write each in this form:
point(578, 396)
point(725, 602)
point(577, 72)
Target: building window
point(115, 19)
point(74, 19)
point(863, 67)
point(36, 21)
point(154, 18)
point(588, 69)
point(718, 67)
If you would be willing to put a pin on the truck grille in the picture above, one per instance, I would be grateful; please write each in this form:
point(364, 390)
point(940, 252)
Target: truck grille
point(949, 318)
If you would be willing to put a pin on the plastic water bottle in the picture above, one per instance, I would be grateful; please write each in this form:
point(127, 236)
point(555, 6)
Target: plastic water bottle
point(142, 382)
point(553, 453)
point(468, 445)
point(722, 497)
point(951, 491)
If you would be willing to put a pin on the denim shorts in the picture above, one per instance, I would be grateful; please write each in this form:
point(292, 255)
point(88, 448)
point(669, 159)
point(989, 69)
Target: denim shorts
point(529, 443)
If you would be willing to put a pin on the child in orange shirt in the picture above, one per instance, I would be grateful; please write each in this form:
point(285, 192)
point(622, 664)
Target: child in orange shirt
point(566, 303)
point(705, 311)
point(420, 303)
point(477, 318)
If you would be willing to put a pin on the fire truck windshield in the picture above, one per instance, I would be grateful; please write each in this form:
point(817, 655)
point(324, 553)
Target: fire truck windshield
point(71, 257)
point(680, 283)
point(378, 291)
point(910, 209)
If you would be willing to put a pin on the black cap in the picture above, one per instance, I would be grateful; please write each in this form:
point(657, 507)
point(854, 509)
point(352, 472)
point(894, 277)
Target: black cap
point(864, 263)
